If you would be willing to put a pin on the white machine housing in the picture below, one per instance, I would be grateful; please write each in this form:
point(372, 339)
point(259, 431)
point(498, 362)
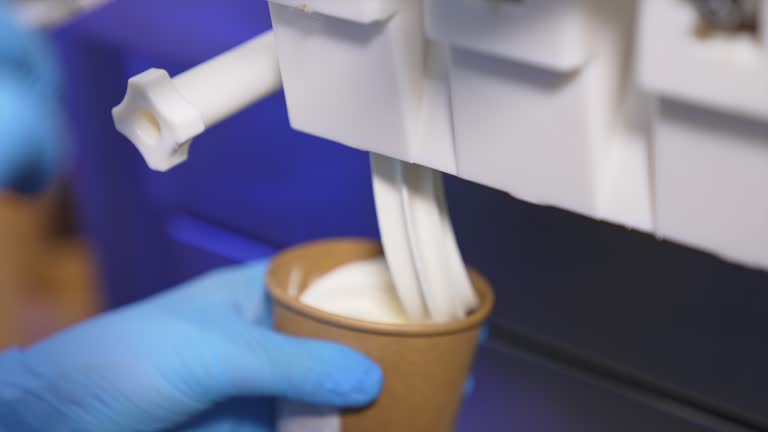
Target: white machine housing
point(627, 111)
point(620, 110)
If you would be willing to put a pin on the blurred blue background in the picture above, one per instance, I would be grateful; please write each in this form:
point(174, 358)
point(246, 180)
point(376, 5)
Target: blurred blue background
point(597, 328)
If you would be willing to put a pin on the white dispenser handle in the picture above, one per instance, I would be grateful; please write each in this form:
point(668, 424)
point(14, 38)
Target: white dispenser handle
point(161, 116)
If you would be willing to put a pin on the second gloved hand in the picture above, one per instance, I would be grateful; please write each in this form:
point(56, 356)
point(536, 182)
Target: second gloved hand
point(31, 148)
point(173, 359)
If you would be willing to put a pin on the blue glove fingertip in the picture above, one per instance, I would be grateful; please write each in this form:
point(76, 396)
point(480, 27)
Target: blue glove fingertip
point(344, 377)
point(485, 333)
point(361, 381)
point(469, 386)
point(320, 372)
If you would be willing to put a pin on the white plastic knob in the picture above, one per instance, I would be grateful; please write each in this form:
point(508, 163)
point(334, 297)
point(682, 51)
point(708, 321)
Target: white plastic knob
point(161, 116)
point(157, 118)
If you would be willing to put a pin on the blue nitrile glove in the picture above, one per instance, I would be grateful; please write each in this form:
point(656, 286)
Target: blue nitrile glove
point(30, 120)
point(469, 385)
point(199, 357)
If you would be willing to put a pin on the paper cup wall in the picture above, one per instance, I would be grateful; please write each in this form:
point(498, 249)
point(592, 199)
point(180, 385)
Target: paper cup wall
point(425, 365)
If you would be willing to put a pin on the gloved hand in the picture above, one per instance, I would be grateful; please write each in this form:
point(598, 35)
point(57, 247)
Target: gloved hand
point(199, 356)
point(30, 120)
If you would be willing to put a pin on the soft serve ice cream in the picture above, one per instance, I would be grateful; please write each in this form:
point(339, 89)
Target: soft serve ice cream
point(361, 290)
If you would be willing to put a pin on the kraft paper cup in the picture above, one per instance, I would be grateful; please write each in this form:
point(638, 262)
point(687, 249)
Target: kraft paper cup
point(425, 365)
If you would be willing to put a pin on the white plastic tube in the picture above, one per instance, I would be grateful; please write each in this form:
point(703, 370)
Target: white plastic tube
point(161, 116)
point(232, 81)
point(420, 247)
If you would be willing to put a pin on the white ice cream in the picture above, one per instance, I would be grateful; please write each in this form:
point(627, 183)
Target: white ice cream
point(360, 290)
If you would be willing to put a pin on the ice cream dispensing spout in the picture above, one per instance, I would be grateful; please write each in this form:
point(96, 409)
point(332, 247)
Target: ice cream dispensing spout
point(162, 115)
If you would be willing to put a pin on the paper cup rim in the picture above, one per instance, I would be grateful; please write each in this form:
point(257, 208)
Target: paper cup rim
point(475, 319)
